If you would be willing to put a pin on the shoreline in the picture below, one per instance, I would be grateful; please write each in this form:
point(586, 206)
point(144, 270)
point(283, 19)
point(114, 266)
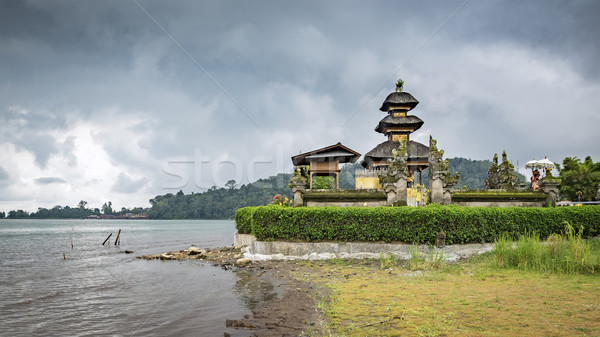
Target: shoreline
point(280, 304)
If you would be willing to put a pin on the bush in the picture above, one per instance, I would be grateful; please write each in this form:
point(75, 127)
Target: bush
point(413, 224)
point(243, 219)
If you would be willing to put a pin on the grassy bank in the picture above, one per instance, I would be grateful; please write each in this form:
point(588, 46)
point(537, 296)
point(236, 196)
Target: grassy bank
point(478, 297)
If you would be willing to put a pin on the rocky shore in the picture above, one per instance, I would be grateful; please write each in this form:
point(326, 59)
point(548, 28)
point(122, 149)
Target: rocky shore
point(281, 305)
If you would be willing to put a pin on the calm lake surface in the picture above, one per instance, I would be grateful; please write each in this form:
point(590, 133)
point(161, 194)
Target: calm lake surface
point(101, 291)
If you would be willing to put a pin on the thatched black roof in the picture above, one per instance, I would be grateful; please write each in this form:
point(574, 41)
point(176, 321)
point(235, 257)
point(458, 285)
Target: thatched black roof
point(328, 153)
point(408, 121)
point(415, 151)
point(399, 98)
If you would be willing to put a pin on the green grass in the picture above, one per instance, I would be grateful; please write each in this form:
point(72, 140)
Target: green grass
point(433, 260)
point(566, 253)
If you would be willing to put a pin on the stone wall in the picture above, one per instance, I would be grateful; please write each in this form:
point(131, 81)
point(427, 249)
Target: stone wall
point(280, 250)
point(514, 203)
point(366, 203)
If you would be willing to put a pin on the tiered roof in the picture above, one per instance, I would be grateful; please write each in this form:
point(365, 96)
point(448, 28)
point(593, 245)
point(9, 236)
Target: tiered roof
point(395, 125)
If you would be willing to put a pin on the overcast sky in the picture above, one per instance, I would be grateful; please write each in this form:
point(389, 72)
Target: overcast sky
point(125, 100)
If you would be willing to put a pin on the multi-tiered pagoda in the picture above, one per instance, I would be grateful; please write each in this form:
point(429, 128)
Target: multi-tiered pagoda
point(398, 125)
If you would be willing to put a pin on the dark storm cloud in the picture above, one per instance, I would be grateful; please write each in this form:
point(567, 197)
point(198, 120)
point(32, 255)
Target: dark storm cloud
point(49, 180)
point(30, 130)
point(256, 82)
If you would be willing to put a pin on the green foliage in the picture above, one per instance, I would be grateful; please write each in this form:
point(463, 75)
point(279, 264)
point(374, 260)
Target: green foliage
point(472, 173)
point(579, 176)
point(323, 183)
point(219, 203)
point(399, 85)
point(565, 253)
point(243, 219)
point(386, 260)
point(416, 224)
point(434, 260)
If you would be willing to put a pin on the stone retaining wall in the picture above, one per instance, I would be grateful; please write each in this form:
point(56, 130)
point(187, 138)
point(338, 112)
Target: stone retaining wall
point(281, 250)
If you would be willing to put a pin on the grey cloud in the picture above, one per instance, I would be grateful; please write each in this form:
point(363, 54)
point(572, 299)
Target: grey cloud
point(49, 180)
point(126, 184)
point(3, 174)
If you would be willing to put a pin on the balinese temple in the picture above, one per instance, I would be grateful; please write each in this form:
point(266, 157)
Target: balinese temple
point(326, 161)
point(396, 125)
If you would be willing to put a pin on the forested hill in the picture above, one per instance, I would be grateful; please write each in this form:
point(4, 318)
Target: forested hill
point(219, 203)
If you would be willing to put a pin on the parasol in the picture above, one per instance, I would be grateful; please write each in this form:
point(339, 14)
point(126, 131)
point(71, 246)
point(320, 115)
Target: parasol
point(546, 163)
point(532, 164)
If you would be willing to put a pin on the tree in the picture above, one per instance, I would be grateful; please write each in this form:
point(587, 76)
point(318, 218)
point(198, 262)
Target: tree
point(107, 208)
point(82, 204)
point(2, 215)
point(579, 177)
point(231, 184)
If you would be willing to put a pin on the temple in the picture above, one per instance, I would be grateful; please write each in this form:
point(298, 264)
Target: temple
point(396, 126)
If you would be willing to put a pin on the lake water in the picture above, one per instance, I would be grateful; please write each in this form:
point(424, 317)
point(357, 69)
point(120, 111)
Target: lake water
point(101, 291)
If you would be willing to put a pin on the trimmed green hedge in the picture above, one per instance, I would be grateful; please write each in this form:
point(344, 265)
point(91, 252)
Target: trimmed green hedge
point(243, 219)
point(411, 224)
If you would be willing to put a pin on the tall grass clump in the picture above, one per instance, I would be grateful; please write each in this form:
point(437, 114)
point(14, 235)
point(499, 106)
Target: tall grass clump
point(566, 253)
point(433, 260)
point(503, 244)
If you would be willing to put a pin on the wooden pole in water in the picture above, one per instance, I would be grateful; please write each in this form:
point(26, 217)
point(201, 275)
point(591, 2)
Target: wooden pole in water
point(117, 239)
point(71, 238)
point(109, 235)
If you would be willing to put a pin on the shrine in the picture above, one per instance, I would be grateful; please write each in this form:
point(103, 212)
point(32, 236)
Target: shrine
point(397, 126)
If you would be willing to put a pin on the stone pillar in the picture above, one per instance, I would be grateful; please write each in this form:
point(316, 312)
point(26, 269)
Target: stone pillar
point(298, 190)
point(390, 191)
point(550, 188)
point(438, 169)
point(436, 188)
point(447, 196)
point(401, 190)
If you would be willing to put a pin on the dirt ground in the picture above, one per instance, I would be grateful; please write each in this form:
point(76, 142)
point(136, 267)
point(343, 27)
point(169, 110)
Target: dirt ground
point(292, 309)
point(281, 304)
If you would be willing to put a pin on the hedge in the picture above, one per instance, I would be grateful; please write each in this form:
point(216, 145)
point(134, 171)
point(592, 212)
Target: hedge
point(243, 218)
point(411, 224)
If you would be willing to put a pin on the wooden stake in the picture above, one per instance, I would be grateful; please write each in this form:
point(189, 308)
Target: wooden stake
point(117, 239)
point(109, 235)
point(71, 238)
point(64, 257)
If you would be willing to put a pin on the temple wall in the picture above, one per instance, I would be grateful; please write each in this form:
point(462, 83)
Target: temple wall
point(369, 203)
point(369, 183)
point(515, 203)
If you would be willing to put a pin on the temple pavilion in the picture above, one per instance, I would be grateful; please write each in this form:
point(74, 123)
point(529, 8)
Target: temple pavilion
point(326, 161)
point(396, 125)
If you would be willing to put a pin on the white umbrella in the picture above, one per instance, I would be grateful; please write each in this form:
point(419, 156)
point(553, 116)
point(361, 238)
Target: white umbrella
point(532, 164)
point(546, 163)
